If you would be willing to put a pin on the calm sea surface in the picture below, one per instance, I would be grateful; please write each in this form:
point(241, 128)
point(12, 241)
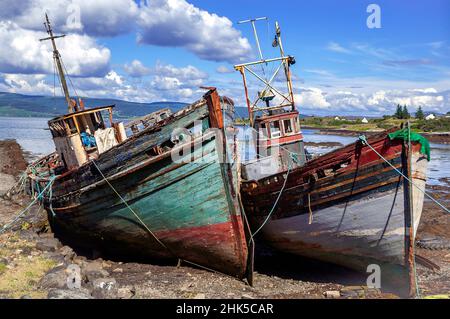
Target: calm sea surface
point(32, 134)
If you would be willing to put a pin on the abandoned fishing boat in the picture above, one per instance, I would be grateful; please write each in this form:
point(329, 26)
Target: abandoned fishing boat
point(355, 206)
point(166, 190)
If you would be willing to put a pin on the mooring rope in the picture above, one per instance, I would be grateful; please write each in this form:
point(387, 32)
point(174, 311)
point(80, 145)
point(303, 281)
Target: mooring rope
point(274, 205)
point(416, 283)
point(129, 207)
point(148, 229)
point(38, 197)
point(364, 141)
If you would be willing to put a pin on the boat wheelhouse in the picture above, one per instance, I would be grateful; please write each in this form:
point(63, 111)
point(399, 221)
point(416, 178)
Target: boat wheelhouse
point(85, 134)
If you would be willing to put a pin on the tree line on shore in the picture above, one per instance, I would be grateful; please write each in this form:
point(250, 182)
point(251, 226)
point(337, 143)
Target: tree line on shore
point(402, 113)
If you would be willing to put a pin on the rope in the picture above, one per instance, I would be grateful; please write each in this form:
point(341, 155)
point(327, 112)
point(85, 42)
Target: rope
point(274, 205)
point(310, 219)
point(148, 229)
point(416, 284)
point(364, 140)
point(52, 179)
point(129, 207)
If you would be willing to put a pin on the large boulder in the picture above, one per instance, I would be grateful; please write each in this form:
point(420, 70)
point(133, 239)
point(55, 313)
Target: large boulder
point(54, 278)
point(48, 244)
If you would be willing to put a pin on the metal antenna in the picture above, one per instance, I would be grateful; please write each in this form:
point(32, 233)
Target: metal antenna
point(57, 58)
point(252, 21)
point(270, 91)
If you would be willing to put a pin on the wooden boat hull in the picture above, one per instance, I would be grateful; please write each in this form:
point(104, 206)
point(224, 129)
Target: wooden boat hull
point(352, 215)
point(183, 209)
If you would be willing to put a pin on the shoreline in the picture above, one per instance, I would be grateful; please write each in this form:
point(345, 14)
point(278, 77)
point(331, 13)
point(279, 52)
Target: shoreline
point(31, 248)
point(434, 137)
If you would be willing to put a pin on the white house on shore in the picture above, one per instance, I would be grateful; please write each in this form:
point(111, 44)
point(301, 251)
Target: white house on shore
point(430, 117)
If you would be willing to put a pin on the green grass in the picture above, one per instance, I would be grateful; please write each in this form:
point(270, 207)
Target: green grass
point(2, 267)
point(437, 125)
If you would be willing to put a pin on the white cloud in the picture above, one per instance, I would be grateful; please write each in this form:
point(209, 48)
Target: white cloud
point(224, 69)
point(188, 75)
point(336, 47)
point(428, 98)
point(172, 84)
point(136, 69)
point(376, 103)
point(311, 98)
point(180, 24)
point(97, 18)
point(25, 83)
point(23, 53)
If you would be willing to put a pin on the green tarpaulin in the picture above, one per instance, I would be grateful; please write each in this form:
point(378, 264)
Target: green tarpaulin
point(415, 137)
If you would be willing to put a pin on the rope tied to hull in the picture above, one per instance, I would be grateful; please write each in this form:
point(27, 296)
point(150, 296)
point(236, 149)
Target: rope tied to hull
point(310, 218)
point(26, 209)
point(129, 207)
point(363, 139)
point(293, 158)
point(179, 260)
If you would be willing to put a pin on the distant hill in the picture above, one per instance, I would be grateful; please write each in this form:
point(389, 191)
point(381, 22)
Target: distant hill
point(20, 105)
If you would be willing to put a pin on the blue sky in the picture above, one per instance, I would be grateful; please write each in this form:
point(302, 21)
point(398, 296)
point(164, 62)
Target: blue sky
point(166, 49)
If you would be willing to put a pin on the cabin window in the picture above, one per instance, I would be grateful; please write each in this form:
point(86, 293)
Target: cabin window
point(72, 126)
point(288, 127)
point(263, 130)
point(58, 129)
point(275, 130)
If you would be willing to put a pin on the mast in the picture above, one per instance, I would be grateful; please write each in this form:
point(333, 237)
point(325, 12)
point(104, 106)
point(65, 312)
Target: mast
point(57, 58)
point(270, 91)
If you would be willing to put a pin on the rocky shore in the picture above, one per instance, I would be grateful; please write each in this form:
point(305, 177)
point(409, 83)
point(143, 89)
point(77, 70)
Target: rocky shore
point(35, 264)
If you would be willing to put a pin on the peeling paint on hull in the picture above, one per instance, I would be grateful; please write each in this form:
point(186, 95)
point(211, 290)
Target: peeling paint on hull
point(189, 206)
point(357, 211)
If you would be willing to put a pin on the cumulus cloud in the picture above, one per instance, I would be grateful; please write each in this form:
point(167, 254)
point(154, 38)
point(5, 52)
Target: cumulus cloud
point(312, 98)
point(23, 53)
point(164, 82)
point(95, 18)
point(25, 83)
point(375, 103)
point(177, 83)
point(136, 69)
point(428, 98)
point(188, 74)
point(180, 24)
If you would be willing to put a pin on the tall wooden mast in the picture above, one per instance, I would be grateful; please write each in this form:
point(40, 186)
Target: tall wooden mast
point(57, 58)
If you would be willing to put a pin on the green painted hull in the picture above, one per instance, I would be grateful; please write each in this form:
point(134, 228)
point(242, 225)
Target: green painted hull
point(175, 210)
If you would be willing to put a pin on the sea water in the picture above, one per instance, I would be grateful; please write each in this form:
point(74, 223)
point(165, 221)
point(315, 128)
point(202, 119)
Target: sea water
point(33, 135)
